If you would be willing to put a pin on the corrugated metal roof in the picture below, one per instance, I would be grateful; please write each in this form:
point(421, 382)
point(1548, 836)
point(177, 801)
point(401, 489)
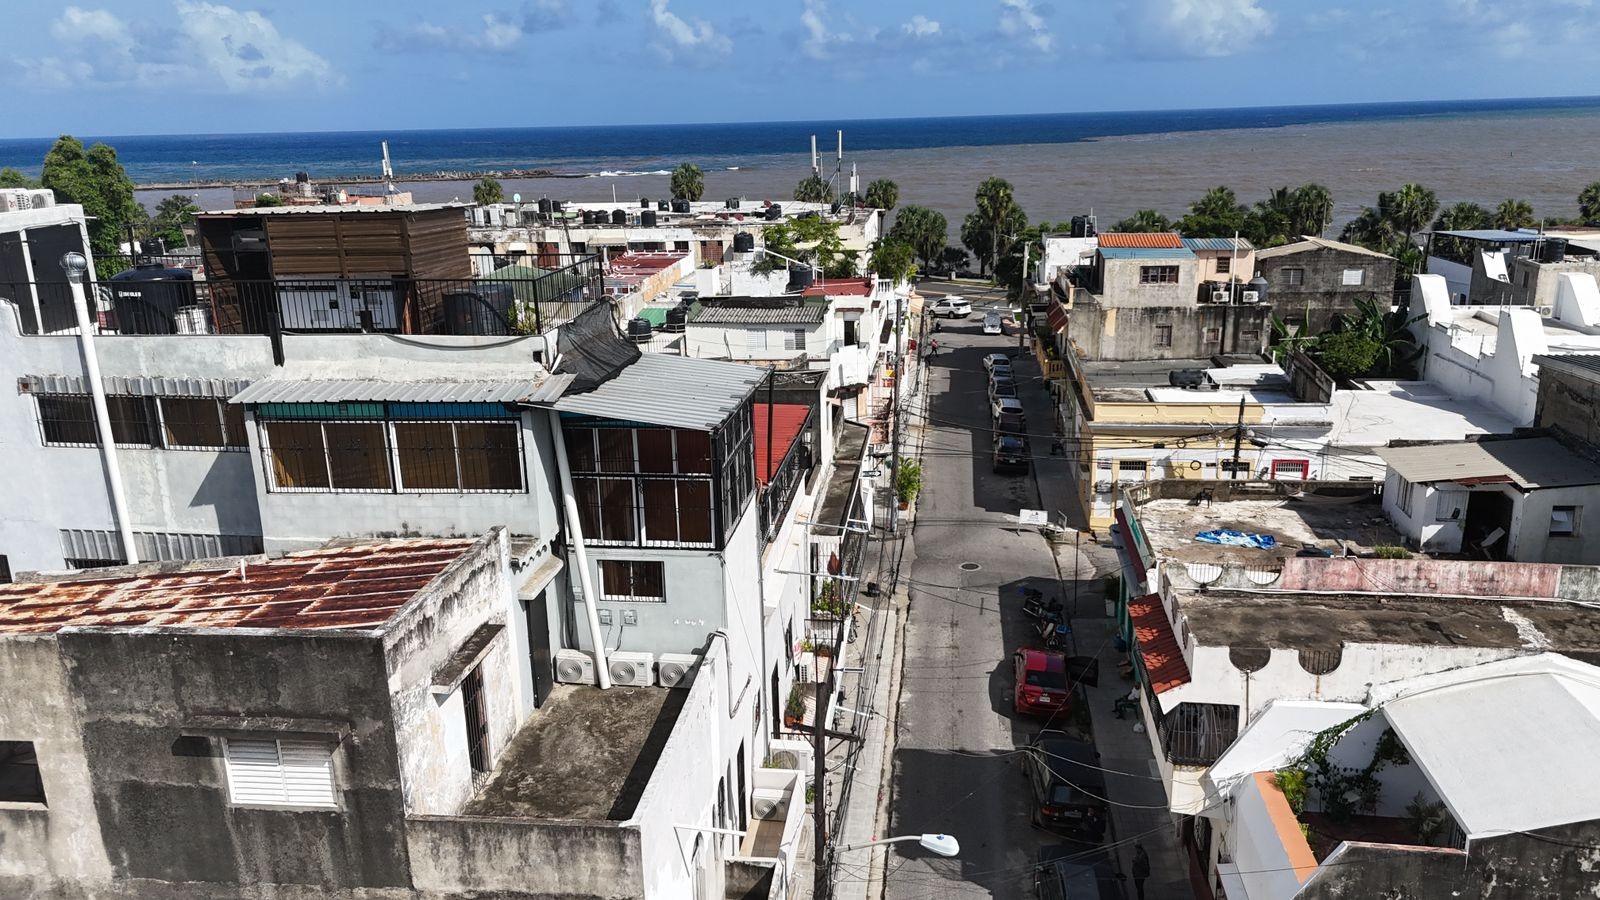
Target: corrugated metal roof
point(773, 314)
point(1146, 252)
point(327, 208)
point(1129, 239)
point(787, 420)
point(154, 386)
point(347, 587)
point(1225, 244)
point(1311, 243)
point(1589, 362)
point(1498, 235)
point(288, 390)
point(1158, 646)
point(1540, 462)
point(675, 391)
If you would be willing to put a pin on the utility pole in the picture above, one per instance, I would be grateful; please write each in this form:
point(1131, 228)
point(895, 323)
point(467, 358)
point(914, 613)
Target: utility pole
point(1238, 435)
point(894, 415)
point(821, 884)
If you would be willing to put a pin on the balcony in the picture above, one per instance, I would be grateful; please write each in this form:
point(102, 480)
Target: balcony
point(1196, 734)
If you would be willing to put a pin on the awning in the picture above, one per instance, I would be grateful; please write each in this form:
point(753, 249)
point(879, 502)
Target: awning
point(1057, 317)
point(532, 390)
point(675, 391)
point(1540, 462)
point(1158, 646)
point(154, 386)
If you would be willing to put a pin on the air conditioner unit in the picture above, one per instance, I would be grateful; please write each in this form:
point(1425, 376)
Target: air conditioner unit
point(1546, 311)
point(1219, 296)
point(631, 669)
point(675, 669)
point(787, 759)
point(1249, 296)
point(770, 803)
point(574, 667)
point(1102, 487)
point(42, 199)
point(15, 200)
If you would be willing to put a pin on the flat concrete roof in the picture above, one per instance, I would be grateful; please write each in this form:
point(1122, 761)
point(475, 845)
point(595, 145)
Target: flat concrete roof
point(586, 754)
point(1130, 381)
point(1484, 321)
point(1170, 527)
point(1408, 411)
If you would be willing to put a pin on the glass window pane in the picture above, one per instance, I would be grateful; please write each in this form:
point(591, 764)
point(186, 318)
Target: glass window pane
point(298, 458)
point(660, 510)
point(694, 511)
point(655, 450)
point(616, 449)
point(427, 455)
point(233, 421)
point(358, 456)
point(580, 449)
point(617, 510)
point(192, 422)
point(648, 580)
point(67, 419)
point(131, 420)
point(614, 578)
point(490, 457)
point(587, 493)
point(694, 452)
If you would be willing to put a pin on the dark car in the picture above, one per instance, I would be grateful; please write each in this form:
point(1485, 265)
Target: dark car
point(1012, 424)
point(1070, 873)
point(1068, 785)
point(1002, 387)
point(1010, 453)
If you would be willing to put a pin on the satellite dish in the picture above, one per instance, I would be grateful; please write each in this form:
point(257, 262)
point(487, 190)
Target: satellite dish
point(516, 198)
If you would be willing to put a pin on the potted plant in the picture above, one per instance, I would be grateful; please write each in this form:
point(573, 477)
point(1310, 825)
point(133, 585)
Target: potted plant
point(908, 483)
point(795, 709)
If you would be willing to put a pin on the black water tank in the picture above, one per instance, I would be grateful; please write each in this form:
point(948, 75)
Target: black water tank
point(733, 203)
point(587, 217)
point(545, 205)
point(1080, 226)
point(663, 206)
point(799, 277)
point(482, 309)
point(744, 242)
point(619, 217)
point(677, 319)
point(643, 203)
point(1259, 286)
point(1554, 250)
point(557, 206)
point(774, 213)
point(647, 218)
point(146, 298)
point(835, 206)
point(1186, 378)
point(639, 330)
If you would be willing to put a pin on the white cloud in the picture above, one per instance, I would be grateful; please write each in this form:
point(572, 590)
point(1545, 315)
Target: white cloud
point(680, 40)
point(500, 32)
point(245, 51)
point(921, 26)
point(1019, 19)
point(820, 40)
point(1195, 29)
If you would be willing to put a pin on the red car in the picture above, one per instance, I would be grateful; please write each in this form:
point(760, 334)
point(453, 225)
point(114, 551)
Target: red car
point(1041, 681)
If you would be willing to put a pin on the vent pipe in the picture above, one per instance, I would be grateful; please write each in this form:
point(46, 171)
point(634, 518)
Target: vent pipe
point(569, 500)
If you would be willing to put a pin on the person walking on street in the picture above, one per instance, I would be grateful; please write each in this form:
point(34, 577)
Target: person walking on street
point(933, 347)
point(1141, 869)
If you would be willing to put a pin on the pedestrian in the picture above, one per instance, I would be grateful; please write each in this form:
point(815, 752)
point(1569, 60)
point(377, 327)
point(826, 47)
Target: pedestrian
point(933, 347)
point(1141, 869)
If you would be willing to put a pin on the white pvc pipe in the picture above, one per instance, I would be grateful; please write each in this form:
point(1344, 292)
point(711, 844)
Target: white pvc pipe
point(569, 500)
point(75, 265)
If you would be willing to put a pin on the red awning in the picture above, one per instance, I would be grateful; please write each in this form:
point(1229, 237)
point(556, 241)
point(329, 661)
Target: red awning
point(1158, 646)
point(1057, 317)
point(787, 421)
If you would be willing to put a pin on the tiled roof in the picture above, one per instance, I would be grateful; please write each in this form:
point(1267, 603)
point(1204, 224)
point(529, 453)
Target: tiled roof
point(787, 420)
point(1161, 239)
point(851, 287)
point(1158, 646)
point(1146, 253)
point(775, 313)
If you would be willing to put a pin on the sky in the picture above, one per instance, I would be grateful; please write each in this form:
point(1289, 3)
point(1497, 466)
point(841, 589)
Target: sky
point(113, 67)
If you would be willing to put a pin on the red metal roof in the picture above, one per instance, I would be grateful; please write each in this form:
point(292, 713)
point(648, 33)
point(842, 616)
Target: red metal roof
point(343, 587)
point(646, 260)
point(1161, 240)
point(787, 420)
point(853, 287)
point(1158, 646)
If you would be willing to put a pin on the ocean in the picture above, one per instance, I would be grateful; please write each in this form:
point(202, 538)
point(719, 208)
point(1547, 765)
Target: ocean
point(1061, 164)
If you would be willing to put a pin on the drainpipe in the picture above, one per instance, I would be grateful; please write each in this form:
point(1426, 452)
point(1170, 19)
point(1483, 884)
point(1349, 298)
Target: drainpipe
point(75, 264)
point(569, 500)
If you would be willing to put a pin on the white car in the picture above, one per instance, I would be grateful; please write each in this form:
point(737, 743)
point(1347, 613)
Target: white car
point(996, 359)
point(991, 324)
point(951, 307)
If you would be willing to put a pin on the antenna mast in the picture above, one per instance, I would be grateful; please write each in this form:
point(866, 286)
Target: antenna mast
point(388, 171)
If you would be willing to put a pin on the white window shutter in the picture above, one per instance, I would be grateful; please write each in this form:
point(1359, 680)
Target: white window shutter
point(280, 773)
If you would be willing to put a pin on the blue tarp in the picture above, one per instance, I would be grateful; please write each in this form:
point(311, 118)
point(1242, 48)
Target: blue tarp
point(1237, 539)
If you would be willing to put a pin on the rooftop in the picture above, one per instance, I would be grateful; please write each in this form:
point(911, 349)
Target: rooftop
point(849, 287)
point(327, 208)
point(1222, 244)
point(675, 391)
point(1145, 252)
point(756, 311)
point(1312, 242)
point(1494, 235)
point(1484, 322)
point(586, 755)
point(1158, 646)
point(1170, 527)
point(1147, 381)
point(1528, 463)
point(787, 421)
point(1585, 363)
point(1118, 239)
point(1408, 411)
point(351, 587)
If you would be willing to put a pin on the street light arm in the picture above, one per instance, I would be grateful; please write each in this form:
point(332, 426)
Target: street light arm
point(942, 844)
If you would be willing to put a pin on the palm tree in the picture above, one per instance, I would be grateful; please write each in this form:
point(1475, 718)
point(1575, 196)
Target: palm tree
point(487, 191)
point(1589, 203)
point(1272, 221)
point(1312, 209)
point(924, 229)
point(813, 189)
point(1462, 216)
point(997, 210)
point(882, 194)
point(1218, 214)
point(1409, 209)
point(688, 182)
point(1373, 230)
point(1144, 221)
point(1513, 214)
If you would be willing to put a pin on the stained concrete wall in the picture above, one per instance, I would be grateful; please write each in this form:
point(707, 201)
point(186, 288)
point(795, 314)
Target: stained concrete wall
point(1323, 295)
point(1570, 403)
point(458, 857)
point(1106, 330)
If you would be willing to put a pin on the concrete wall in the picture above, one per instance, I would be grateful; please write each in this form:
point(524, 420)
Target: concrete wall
point(474, 857)
point(1120, 285)
point(1537, 284)
point(1242, 266)
point(1323, 295)
point(1103, 330)
point(758, 342)
point(1265, 852)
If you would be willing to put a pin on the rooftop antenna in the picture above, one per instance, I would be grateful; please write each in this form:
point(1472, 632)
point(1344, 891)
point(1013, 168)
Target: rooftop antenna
point(388, 172)
point(816, 164)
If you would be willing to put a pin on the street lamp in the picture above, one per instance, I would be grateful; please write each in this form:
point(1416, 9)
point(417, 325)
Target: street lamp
point(942, 844)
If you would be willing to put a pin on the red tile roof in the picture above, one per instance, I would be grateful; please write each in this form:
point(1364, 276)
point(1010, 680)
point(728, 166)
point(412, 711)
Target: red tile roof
point(344, 587)
point(787, 420)
point(1165, 240)
point(854, 287)
point(1158, 646)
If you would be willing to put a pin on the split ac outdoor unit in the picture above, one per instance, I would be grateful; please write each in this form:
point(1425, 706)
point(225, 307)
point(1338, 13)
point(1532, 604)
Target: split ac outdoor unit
point(787, 759)
point(1547, 311)
point(42, 199)
point(769, 803)
point(574, 667)
point(675, 669)
point(631, 669)
point(1219, 296)
point(1249, 296)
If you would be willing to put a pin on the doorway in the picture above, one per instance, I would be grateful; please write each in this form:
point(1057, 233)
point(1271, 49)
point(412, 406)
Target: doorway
point(537, 613)
point(1486, 533)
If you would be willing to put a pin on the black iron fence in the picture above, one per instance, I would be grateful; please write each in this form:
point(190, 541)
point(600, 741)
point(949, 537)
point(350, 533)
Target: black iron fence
point(1196, 734)
point(779, 491)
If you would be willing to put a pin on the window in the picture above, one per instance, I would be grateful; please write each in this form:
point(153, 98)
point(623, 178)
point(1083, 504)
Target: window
point(1224, 265)
point(5, 569)
point(81, 563)
point(19, 773)
point(850, 336)
point(1158, 274)
point(280, 772)
point(1132, 469)
point(794, 339)
point(622, 579)
point(1290, 469)
point(1249, 337)
point(626, 489)
point(458, 456)
point(1293, 277)
point(68, 420)
point(1230, 469)
point(1212, 335)
point(477, 720)
point(1403, 495)
point(1353, 277)
point(202, 422)
point(1163, 335)
point(1564, 521)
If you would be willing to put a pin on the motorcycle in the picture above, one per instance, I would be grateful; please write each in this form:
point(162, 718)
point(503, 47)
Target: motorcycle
point(1054, 634)
point(1034, 606)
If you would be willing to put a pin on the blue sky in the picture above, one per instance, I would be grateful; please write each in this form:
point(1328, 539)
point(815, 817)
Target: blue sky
point(187, 66)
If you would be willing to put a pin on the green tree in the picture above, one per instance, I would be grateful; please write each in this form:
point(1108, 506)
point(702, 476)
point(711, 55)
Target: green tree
point(998, 212)
point(1514, 214)
point(882, 194)
point(1311, 208)
point(1460, 217)
point(1144, 221)
point(892, 259)
point(810, 241)
point(1012, 269)
point(487, 191)
point(267, 198)
point(173, 215)
point(1371, 229)
point(1409, 209)
point(1589, 203)
point(1271, 223)
point(688, 182)
point(94, 179)
point(14, 178)
point(924, 229)
point(1218, 214)
point(813, 189)
point(1346, 354)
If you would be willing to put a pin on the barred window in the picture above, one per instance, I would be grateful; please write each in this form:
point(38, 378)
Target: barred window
point(1158, 274)
point(626, 492)
point(68, 420)
point(202, 422)
point(622, 579)
point(341, 456)
point(458, 456)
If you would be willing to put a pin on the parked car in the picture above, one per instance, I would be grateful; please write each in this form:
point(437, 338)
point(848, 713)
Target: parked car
point(1040, 686)
point(951, 307)
point(1010, 423)
point(1010, 454)
point(1067, 785)
point(1005, 371)
point(1002, 388)
point(1066, 873)
point(996, 359)
point(1007, 406)
point(991, 324)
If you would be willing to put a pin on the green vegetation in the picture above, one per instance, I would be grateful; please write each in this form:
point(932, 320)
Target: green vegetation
point(1342, 791)
point(1293, 784)
point(1346, 354)
point(795, 707)
point(809, 240)
point(1514, 214)
point(908, 482)
point(487, 191)
point(173, 215)
point(1428, 820)
point(925, 230)
point(1145, 221)
point(814, 189)
point(688, 182)
point(1390, 551)
point(13, 178)
point(1373, 342)
point(1589, 203)
point(992, 227)
point(1218, 214)
point(94, 179)
point(882, 194)
point(1389, 226)
point(892, 259)
point(269, 199)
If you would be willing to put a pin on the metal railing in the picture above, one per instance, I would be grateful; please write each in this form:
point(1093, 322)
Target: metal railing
point(1197, 734)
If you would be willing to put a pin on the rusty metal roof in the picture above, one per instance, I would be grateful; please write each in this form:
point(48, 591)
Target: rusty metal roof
point(1162, 240)
point(354, 587)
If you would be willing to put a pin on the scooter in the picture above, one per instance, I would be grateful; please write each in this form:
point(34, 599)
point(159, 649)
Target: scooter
point(1053, 633)
point(1034, 606)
